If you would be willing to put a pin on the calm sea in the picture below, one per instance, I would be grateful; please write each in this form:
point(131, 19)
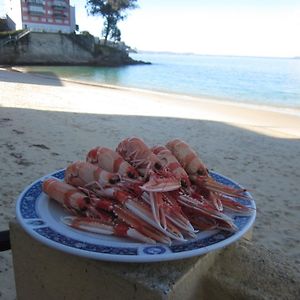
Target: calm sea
point(262, 81)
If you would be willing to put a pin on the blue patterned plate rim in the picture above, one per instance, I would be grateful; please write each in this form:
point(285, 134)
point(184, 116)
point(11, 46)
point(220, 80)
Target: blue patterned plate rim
point(38, 217)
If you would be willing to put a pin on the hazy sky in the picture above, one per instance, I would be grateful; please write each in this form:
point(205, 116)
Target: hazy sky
point(229, 27)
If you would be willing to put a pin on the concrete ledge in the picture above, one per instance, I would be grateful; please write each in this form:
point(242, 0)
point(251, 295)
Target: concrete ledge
point(40, 270)
point(240, 271)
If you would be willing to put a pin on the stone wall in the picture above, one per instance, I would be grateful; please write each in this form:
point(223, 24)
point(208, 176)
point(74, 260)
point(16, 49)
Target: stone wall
point(38, 48)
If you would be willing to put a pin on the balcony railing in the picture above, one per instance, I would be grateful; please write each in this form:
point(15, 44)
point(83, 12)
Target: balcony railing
point(59, 15)
point(59, 4)
point(36, 2)
point(36, 10)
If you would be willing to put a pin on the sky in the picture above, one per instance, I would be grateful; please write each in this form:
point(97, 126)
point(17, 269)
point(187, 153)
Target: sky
point(213, 27)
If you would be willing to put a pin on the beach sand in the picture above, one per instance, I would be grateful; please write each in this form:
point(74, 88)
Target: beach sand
point(47, 122)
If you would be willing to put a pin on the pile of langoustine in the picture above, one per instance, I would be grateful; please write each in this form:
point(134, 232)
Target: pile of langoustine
point(160, 194)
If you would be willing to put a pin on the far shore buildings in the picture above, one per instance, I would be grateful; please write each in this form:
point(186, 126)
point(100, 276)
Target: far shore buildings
point(41, 15)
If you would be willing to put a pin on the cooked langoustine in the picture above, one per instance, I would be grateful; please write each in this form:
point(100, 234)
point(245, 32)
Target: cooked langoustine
point(66, 194)
point(122, 223)
point(197, 170)
point(137, 153)
point(187, 157)
point(198, 173)
point(169, 161)
point(111, 161)
point(152, 195)
point(82, 173)
point(194, 206)
point(120, 229)
point(158, 179)
point(91, 178)
point(74, 199)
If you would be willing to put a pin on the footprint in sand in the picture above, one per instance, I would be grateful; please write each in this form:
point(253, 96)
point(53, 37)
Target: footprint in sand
point(41, 146)
point(18, 131)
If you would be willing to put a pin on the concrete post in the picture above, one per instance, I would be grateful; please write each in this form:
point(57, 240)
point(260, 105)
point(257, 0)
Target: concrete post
point(240, 271)
point(41, 271)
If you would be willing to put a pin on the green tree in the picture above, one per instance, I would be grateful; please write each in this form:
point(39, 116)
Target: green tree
point(112, 11)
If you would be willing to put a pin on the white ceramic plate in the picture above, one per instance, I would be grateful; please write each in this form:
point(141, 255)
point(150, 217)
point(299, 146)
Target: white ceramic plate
point(40, 217)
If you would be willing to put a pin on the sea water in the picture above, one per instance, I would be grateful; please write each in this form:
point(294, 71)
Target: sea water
point(255, 80)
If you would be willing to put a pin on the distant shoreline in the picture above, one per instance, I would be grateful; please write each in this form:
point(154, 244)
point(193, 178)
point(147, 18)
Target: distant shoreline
point(214, 55)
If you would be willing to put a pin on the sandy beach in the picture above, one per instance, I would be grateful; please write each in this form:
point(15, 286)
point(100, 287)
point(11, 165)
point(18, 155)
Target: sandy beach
point(47, 122)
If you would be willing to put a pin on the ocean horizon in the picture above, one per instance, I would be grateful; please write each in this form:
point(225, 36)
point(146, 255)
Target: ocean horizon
point(263, 81)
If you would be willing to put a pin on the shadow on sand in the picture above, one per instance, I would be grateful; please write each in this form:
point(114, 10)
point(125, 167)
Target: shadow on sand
point(34, 143)
point(39, 78)
point(258, 162)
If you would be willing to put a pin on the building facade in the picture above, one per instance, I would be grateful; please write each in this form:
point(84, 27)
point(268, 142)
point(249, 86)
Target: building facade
point(43, 15)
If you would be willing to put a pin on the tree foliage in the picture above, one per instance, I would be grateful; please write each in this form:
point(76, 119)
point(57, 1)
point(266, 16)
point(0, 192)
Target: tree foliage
point(112, 11)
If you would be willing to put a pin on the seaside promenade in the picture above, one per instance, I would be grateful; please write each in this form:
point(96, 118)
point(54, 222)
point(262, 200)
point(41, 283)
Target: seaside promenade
point(47, 122)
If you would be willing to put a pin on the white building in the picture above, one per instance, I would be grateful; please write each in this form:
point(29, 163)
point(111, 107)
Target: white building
point(42, 15)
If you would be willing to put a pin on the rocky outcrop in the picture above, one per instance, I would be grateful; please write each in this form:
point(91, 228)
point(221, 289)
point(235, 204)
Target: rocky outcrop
point(41, 48)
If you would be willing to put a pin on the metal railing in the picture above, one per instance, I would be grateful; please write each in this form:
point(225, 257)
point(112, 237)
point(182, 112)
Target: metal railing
point(36, 2)
point(58, 3)
point(23, 33)
point(13, 38)
point(36, 10)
